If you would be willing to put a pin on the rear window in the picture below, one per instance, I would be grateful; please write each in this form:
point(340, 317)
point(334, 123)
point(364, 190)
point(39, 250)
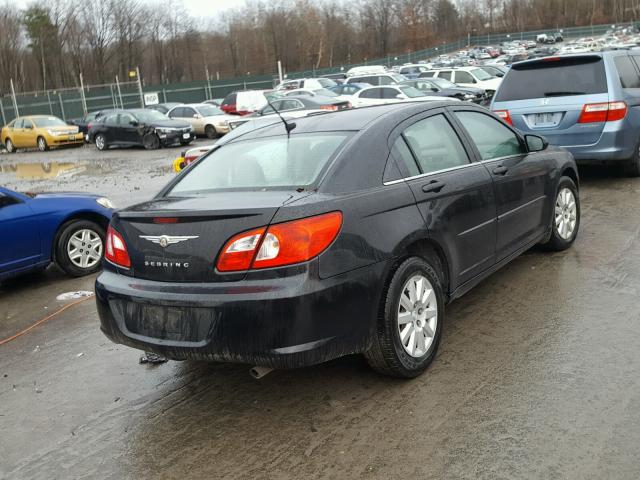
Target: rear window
point(558, 77)
point(264, 163)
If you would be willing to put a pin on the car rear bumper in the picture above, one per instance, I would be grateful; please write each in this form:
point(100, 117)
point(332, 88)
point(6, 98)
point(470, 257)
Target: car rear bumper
point(284, 322)
point(614, 145)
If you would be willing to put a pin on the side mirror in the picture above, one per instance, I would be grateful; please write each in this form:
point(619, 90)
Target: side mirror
point(535, 143)
point(400, 96)
point(197, 115)
point(434, 89)
point(500, 75)
point(134, 123)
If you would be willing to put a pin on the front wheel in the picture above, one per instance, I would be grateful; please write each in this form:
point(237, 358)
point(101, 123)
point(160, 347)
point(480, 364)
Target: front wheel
point(42, 144)
point(211, 132)
point(9, 146)
point(80, 247)
point(100, 141)
point(410, 321)
point(151, 141)
point(565, 221)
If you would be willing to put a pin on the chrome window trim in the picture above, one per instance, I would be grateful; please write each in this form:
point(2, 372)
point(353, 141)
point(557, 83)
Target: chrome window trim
point(435, 172)
point(503, 158)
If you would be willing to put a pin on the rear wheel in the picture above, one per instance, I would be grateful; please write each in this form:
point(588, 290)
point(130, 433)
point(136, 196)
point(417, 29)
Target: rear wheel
point(632, 166)
point(100, 141)
point(565, 221)
point(210, 131)
point(9, 145)
point(80, 247)
point(151, 141)
point(42, 144)
point(410, 320)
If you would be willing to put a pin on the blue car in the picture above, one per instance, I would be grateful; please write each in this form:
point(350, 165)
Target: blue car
point(587, 103)
point(65, 228)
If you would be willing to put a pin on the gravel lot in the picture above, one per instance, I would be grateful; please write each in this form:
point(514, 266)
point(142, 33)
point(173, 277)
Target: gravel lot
point(538, 374)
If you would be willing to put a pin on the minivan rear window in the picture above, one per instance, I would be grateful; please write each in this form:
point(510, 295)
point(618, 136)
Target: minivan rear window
point(554, 77)
point(265, 163)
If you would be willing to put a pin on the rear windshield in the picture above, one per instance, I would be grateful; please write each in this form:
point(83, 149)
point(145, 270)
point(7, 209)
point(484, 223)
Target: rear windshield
point(264, 163)
point(556, 77)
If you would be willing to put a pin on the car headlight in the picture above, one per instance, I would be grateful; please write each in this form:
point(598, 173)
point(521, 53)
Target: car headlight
point(468, 96)
point(105, 202)
point(53, 133)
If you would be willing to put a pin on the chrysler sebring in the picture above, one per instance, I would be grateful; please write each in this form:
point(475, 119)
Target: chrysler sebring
point(341, 233)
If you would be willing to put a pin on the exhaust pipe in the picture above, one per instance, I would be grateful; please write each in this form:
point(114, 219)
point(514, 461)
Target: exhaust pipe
point(259, 372)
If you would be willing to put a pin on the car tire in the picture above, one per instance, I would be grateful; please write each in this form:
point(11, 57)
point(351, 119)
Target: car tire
point(400, 330)
point(8, 144)
point(210, 131)
point(632, 166)
point(565, 216)
point(42, 144)
point(151, 141)
point(70, 256)
point(100, 142)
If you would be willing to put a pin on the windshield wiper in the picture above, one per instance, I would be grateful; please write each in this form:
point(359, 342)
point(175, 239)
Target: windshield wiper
point(562, 94)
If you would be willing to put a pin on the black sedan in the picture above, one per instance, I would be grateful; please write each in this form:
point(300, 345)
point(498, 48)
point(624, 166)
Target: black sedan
point(84, 123)
point(446, 88)
point(139, 127)
point(342, 233)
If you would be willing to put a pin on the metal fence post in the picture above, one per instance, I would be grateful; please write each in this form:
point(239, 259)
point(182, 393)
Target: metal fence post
point(61, 107)
point(82, 97)
point(164, 95)
point(49, 100)
point(4, 120)
point(119, 92)
point(140, 87)
point(13, 96)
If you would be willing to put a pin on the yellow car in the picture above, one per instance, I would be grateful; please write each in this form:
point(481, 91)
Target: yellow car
point(41, 132)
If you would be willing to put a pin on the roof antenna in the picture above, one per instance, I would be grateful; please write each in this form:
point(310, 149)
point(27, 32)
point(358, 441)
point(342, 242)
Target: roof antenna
point(287, 126)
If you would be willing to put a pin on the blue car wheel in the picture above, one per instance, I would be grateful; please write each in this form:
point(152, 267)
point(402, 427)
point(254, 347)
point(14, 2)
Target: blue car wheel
point(80, 247)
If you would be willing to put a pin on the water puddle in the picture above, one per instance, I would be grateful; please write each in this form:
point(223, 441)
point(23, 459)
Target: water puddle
point(49, 170)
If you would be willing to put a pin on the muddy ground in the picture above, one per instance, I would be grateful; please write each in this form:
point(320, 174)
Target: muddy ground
point(538, 374)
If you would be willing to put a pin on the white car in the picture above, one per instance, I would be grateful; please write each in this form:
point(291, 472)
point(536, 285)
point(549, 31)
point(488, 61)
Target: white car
point(470, 77)
point(378, 79)
point(308, 92)
point(366, 70)
point(308, 83)
point(206, 119)
point(392, 94)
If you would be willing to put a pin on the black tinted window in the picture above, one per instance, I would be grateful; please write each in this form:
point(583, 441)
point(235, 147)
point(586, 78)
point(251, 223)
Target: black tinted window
point(435, 144)
point(492, 138)
point(404, 157)
point(229, 99)
point(373, 93)
point(389, 93)
point(6, 200)
point(177, 112)
point(445, 75)
point(627, 72)
point(556, 77)
point(463, 77)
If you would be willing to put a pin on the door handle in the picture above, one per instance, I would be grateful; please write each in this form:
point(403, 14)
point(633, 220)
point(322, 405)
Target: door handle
point(500, 170)
point(433, 186)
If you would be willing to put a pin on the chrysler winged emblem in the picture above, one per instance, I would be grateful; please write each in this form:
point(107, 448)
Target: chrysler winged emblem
point(165, 240)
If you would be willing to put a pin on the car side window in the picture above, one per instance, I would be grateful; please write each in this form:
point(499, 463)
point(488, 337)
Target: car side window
point(111, 120)
point(463, 77)
point(188, 112)
point(389, 92)
point(384, 80)
point(427, 74)
point(493, 139)
point(177, 113)
point(6, 200)
point(446, 75)
point(18, 123)
point(402, 154)
point(288, 105)
point(627, 72)
point(125, 119)
point(435, 144)
point(372, 93)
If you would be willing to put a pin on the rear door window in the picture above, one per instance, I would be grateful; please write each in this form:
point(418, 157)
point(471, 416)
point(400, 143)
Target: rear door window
point(558, 77)
point(435, 144)
point(627, 72)
point(372, 93)
point(463, 77)
point(492, 138)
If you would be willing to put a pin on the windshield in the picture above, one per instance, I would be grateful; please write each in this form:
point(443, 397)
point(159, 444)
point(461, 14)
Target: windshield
point(411, 92)
point(48, 122)
point(273, 162)
point(397, 77)
point(443, 82)
point(481, 74)
point(148, 116)
point(271, 96)
point(209, 111)
point(326, 82)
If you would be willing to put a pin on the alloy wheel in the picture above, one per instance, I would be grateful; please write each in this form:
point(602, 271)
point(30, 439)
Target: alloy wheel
point(9, 145)
point(100, 142)
point(42, 144)
point(417, 316)
point(84, 248)
point(566, 213)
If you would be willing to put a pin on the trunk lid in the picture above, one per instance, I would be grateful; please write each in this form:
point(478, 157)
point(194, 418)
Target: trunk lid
point(186, 249)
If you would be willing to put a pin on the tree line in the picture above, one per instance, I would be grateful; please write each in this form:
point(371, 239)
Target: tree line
point(48, 44)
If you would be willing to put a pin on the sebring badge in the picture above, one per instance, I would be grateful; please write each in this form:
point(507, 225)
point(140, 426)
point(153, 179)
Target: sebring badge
point(164, 240)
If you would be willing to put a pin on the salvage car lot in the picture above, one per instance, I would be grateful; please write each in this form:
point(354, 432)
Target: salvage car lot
point(537, 374)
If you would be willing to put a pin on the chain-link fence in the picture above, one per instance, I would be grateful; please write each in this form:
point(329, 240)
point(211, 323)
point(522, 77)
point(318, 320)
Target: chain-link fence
point(74, 102)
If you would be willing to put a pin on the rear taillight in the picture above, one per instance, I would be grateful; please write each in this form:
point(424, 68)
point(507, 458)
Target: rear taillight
point(331, 108)
point(280, 244)
point(504, 115)
point(603, 112)
point(116, 249)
